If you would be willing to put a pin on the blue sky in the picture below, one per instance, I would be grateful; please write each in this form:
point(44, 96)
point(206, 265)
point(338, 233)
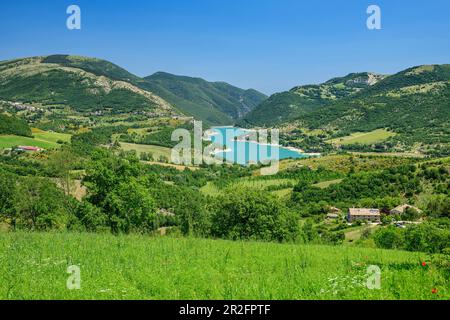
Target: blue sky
point(269, 45)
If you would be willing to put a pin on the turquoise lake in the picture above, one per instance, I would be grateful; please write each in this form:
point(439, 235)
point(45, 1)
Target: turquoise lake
point(245, 152)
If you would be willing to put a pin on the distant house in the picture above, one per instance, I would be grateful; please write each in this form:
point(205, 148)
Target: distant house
point(333, 213)
point(165, 213)
point(334, 210)
point(28, 148)
point(363, 214)
point(401, 209)
point(332, 216)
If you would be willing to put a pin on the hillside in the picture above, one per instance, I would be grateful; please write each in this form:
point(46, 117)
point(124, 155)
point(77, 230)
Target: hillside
point(83, 84)
point(413, 103)
point(13, 125)
point(213, 102)
point(301, 100)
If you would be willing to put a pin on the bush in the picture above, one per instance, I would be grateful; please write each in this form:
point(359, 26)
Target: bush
point(253, 215)
point(427, 237)
point(130, 208)
point(90, 217)
point(39, 205)
point(388, 238)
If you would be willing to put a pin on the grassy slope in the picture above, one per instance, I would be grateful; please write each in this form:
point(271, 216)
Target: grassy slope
point(156, 150)
point(246, 183)
point(46, 140)
point(343, 163)
point(34, 265)
point(371, 137)
point(326, 184)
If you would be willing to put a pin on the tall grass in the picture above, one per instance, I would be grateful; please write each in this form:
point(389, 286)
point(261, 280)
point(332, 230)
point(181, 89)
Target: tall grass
point(34, 265)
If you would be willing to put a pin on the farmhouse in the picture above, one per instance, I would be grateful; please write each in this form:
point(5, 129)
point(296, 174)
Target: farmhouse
point(332, 216)
point(28, 148)
point(363, 214)
point(401, 209)
point(334, 210)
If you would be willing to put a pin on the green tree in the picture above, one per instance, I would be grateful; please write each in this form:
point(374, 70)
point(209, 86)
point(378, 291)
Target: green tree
point(60, 164)
point(90, 217)
point(250, 214)
point(410, 214)
point(39, 205)
point(7, 193)
point(130, 207)
point(388, 238)
point(105, 171)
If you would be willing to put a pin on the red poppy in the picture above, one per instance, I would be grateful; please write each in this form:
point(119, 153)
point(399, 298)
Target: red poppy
point(434, 291)
point(424, 264)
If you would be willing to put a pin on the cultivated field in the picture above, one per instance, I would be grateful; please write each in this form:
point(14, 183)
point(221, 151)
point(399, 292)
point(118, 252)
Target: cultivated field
point(246, 183)
point(34, 266)
point(364, 137)
point(42, 139)
point(343, 162)
point(157, 151)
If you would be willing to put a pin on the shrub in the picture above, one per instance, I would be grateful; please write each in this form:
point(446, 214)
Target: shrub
point(388, 238)
point(245, 214)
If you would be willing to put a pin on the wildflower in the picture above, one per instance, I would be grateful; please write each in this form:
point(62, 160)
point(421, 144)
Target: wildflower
point(424, 264)
point(434, 291)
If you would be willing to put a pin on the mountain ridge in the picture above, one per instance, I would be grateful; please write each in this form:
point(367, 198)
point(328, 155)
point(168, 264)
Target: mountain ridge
point(218, 102)
point(413, 103)
point(92, 84)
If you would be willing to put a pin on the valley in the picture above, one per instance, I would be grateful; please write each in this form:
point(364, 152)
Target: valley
point(87, 178)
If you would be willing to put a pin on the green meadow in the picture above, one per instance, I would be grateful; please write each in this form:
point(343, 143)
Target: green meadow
point(42, 139)
point(364, 137)
point(261, 184)
point(34, 266)
point(157, 151)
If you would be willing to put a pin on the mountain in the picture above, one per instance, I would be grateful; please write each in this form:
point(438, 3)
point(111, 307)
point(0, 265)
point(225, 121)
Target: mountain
point(90, 84)
point(217, 103)
point(414, 104)
point(282, 107)
point(83, 84)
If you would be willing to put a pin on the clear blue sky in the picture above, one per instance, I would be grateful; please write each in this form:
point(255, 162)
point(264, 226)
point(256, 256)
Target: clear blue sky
point(269, 45)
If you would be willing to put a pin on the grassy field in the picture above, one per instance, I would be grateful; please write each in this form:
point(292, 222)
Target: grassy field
point(326, 184)
point(157, 151)
point(52, 137)
point(343, 162)
point(42, 139)
point(34, 266)
point(246, 183)
point(364, 137)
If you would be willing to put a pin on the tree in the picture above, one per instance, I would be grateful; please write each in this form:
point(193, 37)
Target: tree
point(130, 207)
point(192, 213)
point(7, 193)
point(427, 237)
point(410, 214)
point(39, 205)
point(106, 171)
point(388, 238)
point(438, 206)
point(245, 214)
point(90, 217)
point(61, 163)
